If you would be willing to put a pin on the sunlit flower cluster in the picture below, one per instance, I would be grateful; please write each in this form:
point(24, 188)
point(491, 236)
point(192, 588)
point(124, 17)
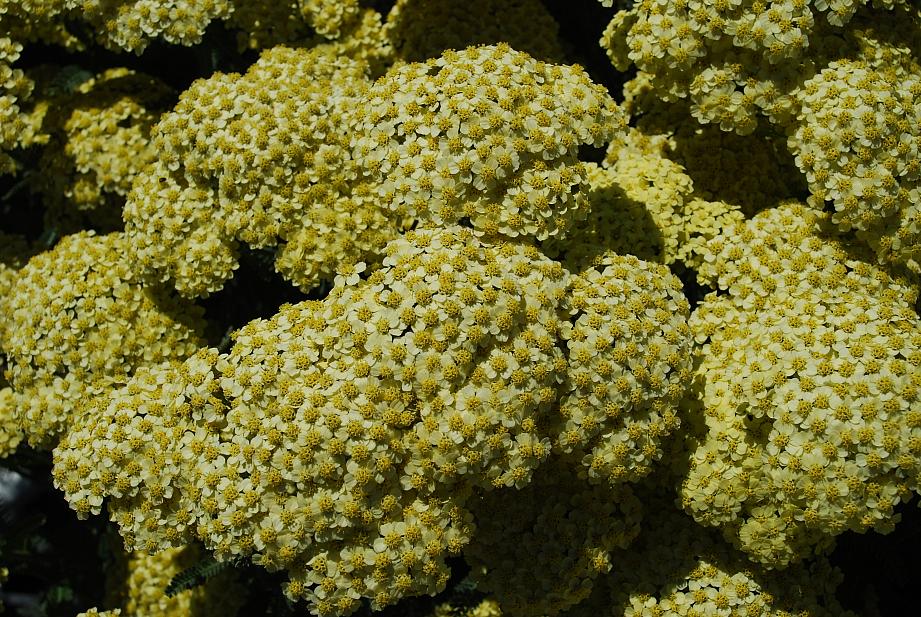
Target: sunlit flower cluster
point(242, 159)
point(845, 90)
point(809, 389)
point(78, 322)
point(342, 439)
point(629, 363)
point(385, 299)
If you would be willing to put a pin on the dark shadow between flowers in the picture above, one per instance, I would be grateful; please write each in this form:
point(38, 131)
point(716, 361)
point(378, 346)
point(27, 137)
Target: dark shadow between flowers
point(55, 567)
point(881, 571)
point(255, 291)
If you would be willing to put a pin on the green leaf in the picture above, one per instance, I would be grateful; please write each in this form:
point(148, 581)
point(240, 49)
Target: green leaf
point(198, 574)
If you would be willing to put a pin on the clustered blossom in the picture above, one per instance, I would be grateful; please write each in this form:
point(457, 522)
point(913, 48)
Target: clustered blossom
point(487, 134)
point(808, 386)
point(857, 143)
point(424, 29)
point(129, 25)
point(661, 383)
point(96, 135)
point(676, 568)
point(643, 203)
point(629, 363)
point(11, 433)
point(751, 171)
point(342, 439)
point(566, 531)
point(732, 60)
point(77, 322)
point(845, 91)
point(241, 159)
point(437, 141)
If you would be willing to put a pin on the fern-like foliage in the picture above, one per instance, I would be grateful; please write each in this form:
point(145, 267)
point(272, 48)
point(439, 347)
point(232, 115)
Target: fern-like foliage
point(198, 574)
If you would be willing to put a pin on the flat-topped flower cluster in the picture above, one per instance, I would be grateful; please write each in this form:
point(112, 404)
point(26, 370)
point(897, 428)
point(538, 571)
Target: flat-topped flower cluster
point(661, 381)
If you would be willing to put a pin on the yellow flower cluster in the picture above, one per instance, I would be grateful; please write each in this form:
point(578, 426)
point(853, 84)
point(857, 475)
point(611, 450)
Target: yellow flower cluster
point(261, 25)
point(503, 155)
point(137, 581)
point(616, 225)
point(857, 141)
point(14, 85)
point(131, 25)
point(849, 106)
point(258, 158)
point(77, 323)
point(341, 439)
point(95, 612)
point(487, 135)
point(538, 550)
point(137, 448)
point(128, 25)
point(629, 351)
point(97, 135)
point(732, 59)
point(675, 568)
point(808, 386)
point(643, 203)
point(424, 29)
point(428, 375)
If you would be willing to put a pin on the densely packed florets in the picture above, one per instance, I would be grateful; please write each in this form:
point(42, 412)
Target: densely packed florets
point(424, 29)
point(361, 418)
point(809, 388)
point(629, 362)
point(77, 323)
point(336, 427)
point(538, 550)
point(242, 159)
point(857, 142)
point(492, 355)
point(617, 224)
point(487, 135)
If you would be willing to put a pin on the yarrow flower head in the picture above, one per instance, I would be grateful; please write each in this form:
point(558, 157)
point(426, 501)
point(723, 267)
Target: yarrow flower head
point(629, 351)
point(341, 438)
point(487, 135)
point(538, 550)
point(243, 159)
point(78, 323)
point(808, 387)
